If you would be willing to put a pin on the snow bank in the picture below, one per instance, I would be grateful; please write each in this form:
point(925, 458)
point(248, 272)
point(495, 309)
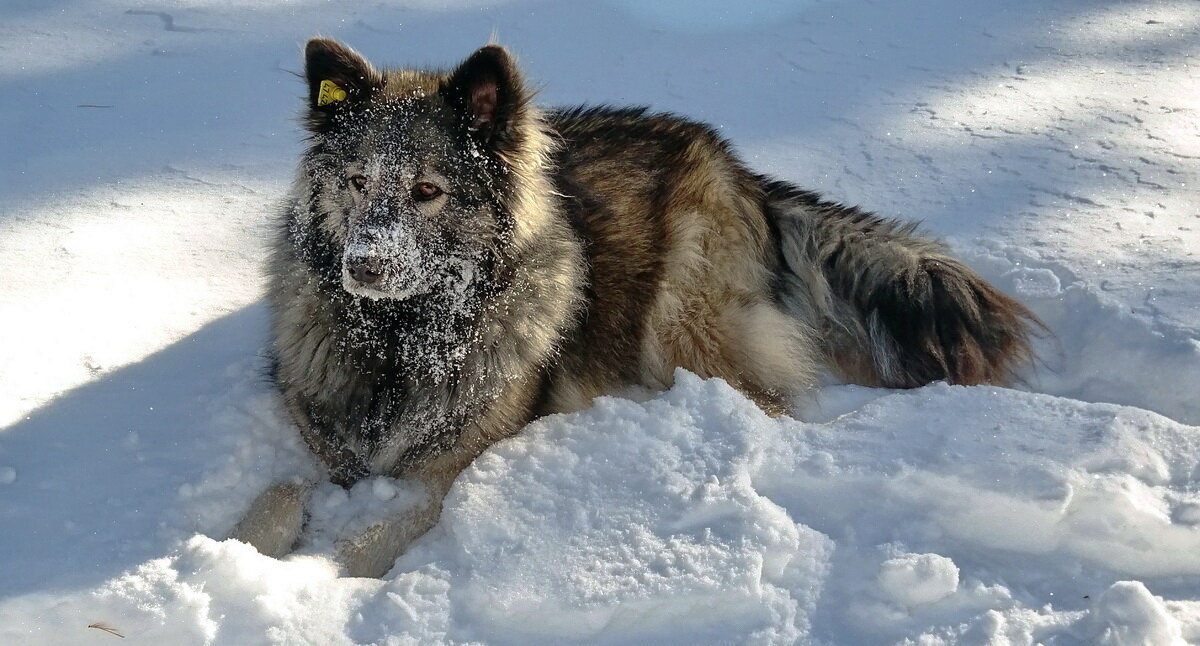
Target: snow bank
point(940, 515)
point(630, 522)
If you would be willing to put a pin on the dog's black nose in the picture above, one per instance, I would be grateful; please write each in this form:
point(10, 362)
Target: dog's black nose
point(365, 271)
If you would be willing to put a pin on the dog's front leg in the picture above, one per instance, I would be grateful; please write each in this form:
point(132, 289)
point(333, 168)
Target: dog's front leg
point(273, 523)
point(372, 552)
point(276, 518)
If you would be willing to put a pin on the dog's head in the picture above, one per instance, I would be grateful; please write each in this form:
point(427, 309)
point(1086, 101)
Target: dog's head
point(415, 178)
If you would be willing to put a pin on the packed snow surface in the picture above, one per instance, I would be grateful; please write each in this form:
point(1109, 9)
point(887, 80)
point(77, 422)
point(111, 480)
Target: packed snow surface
point(1055, 144)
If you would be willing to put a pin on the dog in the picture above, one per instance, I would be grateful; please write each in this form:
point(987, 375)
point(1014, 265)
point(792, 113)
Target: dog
point(454, 262)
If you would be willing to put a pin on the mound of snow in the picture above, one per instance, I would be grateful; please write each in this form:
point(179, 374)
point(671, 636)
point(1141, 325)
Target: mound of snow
point(1128, 614)
point(941, 515)
point(918, 579)
point(630, 522)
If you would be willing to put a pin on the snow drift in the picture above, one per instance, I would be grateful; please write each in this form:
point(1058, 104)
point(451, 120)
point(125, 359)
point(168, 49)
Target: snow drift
point(693, 518)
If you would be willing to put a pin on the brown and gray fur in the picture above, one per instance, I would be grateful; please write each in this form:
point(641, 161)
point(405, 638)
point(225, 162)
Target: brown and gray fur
point(564, 255)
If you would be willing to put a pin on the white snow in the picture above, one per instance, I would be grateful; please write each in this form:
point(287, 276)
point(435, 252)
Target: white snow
point(1054, 144)
point(1128, 614)
point(918, 579)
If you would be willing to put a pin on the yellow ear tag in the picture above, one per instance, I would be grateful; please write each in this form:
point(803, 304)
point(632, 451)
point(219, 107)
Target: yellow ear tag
point(330, 93)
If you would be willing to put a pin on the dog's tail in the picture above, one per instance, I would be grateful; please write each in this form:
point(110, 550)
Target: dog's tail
point(891, 307)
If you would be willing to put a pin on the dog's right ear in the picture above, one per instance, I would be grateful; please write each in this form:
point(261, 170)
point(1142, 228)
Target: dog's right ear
point(488, 92)
point(338, 79)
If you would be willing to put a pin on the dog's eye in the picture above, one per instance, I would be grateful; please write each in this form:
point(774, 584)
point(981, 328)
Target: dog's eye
point(424, 191)
point(356, 182)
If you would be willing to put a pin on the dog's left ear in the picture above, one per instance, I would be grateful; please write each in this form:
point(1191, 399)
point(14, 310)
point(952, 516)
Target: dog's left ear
point(488, 92)
point(339, 79)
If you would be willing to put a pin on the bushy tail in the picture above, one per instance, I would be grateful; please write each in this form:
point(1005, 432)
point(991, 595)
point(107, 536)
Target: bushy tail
point(892, 308)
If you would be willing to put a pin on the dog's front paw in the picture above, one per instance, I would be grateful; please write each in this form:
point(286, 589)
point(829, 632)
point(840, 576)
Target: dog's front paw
point(940, 320)
point(273, 522)
point(373, 551)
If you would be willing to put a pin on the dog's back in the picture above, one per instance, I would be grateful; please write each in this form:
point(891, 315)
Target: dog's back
point(696, 262)
point(682, 262)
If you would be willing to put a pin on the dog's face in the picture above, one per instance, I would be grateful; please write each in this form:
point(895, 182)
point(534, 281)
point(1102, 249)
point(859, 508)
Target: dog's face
point(407, 170)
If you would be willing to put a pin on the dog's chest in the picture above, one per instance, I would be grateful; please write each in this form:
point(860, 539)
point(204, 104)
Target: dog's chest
point(387, 393)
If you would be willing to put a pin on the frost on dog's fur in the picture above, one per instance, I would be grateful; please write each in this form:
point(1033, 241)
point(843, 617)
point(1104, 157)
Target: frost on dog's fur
point(455, 263)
